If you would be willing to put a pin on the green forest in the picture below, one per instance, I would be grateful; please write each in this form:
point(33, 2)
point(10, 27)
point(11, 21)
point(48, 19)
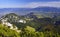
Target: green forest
point(27, 32)
point(34, 26)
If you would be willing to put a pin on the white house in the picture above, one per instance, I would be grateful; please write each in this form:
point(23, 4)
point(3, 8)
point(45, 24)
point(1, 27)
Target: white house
point(4, 22)
point(7, 24)
point(22, 21)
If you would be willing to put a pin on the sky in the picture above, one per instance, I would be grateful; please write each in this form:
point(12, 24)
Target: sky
point(29, 3)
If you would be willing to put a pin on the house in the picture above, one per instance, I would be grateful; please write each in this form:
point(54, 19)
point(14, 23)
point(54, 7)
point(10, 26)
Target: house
point(22, 21)
point(5, 23)
point(9, 25)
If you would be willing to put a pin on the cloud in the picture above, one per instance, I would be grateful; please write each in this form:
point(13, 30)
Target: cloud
point(41, 4)
point(31, 5)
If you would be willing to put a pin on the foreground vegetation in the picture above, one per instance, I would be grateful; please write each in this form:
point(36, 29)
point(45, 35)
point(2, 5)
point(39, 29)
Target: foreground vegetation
point(26, 32)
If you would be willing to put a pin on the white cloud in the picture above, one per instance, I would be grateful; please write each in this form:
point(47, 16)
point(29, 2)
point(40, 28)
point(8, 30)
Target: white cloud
point(43, 4)
point(31, 5)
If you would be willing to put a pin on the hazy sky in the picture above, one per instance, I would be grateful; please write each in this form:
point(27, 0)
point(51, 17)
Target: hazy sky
point(28, 3)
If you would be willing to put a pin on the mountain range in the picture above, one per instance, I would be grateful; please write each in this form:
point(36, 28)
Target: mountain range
point(30, 22)
point(23, 11)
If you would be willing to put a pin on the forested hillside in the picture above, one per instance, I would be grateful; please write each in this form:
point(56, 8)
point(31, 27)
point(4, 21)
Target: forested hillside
point(13, 25)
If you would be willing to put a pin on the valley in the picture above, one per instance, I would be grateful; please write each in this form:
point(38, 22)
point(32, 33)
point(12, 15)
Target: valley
point(33, 23)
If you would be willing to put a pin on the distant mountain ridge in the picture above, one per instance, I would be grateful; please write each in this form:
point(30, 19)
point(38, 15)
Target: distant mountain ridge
point(24, 11)
point(47, 9)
